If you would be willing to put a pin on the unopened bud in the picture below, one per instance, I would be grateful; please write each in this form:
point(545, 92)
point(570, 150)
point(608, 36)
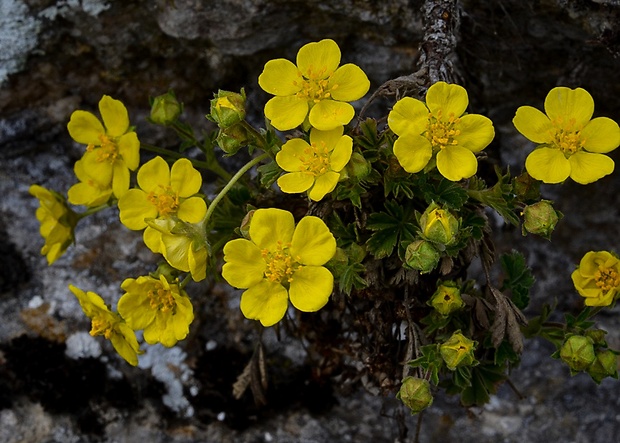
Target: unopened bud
point(415, 393)
point(458, 351)
point(605, 365)
point(231, 139)
point(358, 167)
point(165, 109)
point(228, 108)
point(439, 225)
point(578, 352)
point(422, 255)
point(540, 219)
point(447, 298)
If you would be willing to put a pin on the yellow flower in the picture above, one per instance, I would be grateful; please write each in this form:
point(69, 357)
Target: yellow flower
point(439, 127)
point(597, 278)
point(571, 143)
point(57, 222)
point(280, 261)
point(162, 309)
point(458, 351)
point(108, 324)
point(182, 244)
point(163, 192)
point(314, 167)
point(112, 151)
point(314, 91)
point(89, 191)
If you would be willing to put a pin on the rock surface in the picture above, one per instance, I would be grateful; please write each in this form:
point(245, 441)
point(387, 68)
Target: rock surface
point(59, 384)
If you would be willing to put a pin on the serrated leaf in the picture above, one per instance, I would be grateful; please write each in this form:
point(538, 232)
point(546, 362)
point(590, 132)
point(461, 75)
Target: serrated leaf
point(351, 278)
point(519, 278)
point(500, 197)
point(269, 173)
point(394, 225)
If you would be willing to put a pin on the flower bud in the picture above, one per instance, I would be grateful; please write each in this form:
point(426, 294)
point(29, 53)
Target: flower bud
point(165, 109)
point(358, 167)
point(422, 255)
point(415, 393)
point(245, 224)
point(540, 219)
point(231, 139)
point(447, 298)
point(578, 352)
point(439, 225)
point(597, 336)
point(605, 365)
point(526, 187)
point(228, 108)
point(458, 351)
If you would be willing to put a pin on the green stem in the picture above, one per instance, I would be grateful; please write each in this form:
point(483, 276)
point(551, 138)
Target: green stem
point(257, 136)
point(90, 211)
point(231, 183)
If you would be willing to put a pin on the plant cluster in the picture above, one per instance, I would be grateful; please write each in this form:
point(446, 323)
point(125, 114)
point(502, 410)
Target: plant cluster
point(368, 227)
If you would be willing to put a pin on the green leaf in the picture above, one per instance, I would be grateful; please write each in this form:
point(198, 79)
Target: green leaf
point(391, 227)
point(519, 278)
point(351, 278)
point(269, 173)
point(500, 197)
point(484, 382)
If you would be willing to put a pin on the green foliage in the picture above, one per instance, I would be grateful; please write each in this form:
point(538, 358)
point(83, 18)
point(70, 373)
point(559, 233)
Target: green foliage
point(395, 225)
point(519, 278)
point(500, 197)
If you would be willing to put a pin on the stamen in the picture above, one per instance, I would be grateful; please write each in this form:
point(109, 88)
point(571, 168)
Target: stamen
point(161, 299)
point(280, 265)
point(166, 200)
point(442, 133)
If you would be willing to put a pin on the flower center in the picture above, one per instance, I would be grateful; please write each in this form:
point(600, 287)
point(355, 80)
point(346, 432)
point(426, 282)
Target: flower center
point(280, 265)
point(315, 159)
point(166, 200)
point(161, 299)
point(107, 151)
point(566, 138)
point(442, 133)
point(315, 87)
point(607, 278)
point(99, 326)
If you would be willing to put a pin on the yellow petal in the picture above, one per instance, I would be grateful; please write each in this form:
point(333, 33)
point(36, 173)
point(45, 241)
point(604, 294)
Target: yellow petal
point(176, 250)
point(126, 344)
point(456, 163)
point(184, 178)
point(88, 195)
point(288, 158)
point(244, 265)
point(571, 108)
point(476, 132)
point(286, 112)
point(85, 128)
point(323, 184)
point(120, 179)
point(134, 208)
point(329, 114)
point(280, 77)
point(101, 172)
point(330, 138)
point(409, 116)
point(266, 301)
point(114, 115)
point(318, 60)
point(548, 165)
point(198, 263)
point(341, 154)
point(152, 240)
point(534, 125)
point(134, 307)
point(295, 182)
point(311, 288)
point(192, 210)
point(601, 135)
point(129, 149)
point(348, 83)
point(413, 152)
point(154, 174)
point(450, 99)
point(271, 225)
point(312, 242)
point(587, 168)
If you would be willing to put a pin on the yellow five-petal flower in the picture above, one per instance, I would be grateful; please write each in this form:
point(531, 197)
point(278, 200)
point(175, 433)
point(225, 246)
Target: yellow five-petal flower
point(314, 167)
point(439, 127)
point(281, 261)
point(109, 324)
point(161, 308)
point(112, 148)
point(570, 143)
point(316, 90)
point(597, 278)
